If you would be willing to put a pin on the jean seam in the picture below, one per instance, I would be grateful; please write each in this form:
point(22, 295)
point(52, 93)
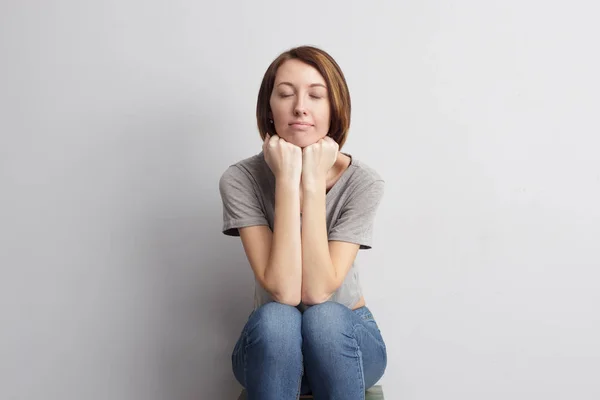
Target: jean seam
point(361, 373)
point(246, 346)
point(301, 375)
point(382, 347)
point(245, 357)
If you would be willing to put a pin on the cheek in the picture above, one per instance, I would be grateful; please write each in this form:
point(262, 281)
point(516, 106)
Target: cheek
point(278, 108)
point(324, 116)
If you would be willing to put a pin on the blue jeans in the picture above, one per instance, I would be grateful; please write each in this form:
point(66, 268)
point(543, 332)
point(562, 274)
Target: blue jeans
point(331, 350)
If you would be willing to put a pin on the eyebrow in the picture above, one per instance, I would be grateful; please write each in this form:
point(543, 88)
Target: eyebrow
point(312, 85)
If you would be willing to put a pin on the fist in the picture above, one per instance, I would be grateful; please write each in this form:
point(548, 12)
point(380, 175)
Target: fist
point(318, 158)
point(283, 158)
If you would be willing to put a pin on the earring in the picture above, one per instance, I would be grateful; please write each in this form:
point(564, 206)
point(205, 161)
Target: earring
point(271, 121)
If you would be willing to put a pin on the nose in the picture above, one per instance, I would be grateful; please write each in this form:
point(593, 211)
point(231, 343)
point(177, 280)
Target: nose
point(299, 107)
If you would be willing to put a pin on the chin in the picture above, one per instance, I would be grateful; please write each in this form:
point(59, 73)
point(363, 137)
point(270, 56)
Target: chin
point(302, 141)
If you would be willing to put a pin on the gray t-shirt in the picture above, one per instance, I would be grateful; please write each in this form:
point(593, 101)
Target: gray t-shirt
point(248, 194)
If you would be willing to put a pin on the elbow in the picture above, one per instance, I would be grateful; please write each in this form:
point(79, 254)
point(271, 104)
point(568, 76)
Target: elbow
point(288, 299)
point(284, 294)
point(312, 295)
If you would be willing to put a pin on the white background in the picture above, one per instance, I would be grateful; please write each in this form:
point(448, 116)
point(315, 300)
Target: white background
point(118, 117)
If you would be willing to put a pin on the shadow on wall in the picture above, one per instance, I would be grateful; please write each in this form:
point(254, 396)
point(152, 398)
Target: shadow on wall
point(207, 290)
point(202, 277)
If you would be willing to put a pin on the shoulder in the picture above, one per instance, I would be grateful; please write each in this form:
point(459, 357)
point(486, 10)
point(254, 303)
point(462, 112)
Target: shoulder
point(362, 176)
point(252, 169)
point(365, 171)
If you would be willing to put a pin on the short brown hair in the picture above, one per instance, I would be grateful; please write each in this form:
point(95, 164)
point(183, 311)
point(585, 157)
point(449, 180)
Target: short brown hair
point(339, 96)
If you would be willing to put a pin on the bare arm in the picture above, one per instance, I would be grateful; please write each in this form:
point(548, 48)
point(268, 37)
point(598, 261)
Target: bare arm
point(276, 257)
point(283, 273)
point(318, 274)
point(324, 264)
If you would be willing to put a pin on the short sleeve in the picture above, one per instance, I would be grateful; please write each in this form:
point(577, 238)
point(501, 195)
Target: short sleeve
point(355, 223)
point(241, 205)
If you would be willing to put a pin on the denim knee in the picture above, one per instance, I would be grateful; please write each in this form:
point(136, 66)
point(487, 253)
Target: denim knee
point(326, 323)
point(276, 328)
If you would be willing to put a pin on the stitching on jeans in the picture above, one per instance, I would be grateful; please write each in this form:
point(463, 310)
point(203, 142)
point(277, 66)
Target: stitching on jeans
point(245, 357)
point(361, 373)
point(363, 313)
point(380, 343)
point(245, 353)
point(301, 375)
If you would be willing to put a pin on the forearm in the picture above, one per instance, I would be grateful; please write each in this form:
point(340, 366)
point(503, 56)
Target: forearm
point(283, 274)
point(318, 273)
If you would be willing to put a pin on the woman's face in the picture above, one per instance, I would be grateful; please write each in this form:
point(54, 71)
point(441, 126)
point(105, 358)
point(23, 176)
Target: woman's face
point(300, 104)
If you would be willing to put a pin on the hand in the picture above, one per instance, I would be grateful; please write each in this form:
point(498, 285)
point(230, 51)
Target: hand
point(284, 158)
point(317, 160)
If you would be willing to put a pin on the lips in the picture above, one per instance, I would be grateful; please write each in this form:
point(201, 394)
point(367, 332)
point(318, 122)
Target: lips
point(300, 123)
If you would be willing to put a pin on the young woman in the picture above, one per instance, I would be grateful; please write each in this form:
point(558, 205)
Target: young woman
point(303, 209)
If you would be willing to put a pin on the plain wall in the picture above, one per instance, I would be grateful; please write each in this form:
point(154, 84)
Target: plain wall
point(118, 117)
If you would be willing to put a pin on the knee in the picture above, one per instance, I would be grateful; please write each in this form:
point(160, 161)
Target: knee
point(275, 326)
point(326, 323)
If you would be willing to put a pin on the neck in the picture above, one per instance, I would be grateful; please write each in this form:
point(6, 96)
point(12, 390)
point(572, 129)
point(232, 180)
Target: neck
point(341, 164)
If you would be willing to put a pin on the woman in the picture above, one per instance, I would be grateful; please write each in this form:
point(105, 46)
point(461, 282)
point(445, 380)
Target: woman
point(303, 209)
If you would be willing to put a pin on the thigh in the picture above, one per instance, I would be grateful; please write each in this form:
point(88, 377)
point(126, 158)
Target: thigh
point(273, 328)
point(371, 344)
point(330, 327)
point(237, 358)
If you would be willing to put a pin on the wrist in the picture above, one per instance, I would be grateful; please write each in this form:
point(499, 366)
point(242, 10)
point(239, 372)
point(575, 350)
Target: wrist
point(313, 185)
point(288, 183)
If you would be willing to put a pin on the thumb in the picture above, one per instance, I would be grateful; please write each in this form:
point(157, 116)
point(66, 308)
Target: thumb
point(267, 138)
point(265, 141)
